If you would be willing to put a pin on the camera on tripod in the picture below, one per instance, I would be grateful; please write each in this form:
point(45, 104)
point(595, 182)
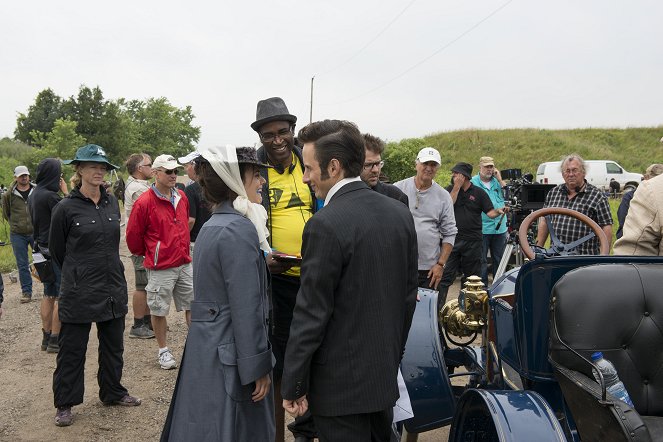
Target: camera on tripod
point(523, 196)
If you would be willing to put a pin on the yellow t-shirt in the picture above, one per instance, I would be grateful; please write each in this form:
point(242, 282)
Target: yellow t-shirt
point(290, 201)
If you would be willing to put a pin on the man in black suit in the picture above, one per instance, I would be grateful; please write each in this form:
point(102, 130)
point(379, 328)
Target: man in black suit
point(357, 296)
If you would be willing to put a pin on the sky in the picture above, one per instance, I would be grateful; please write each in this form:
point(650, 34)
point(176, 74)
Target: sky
point(397, 68)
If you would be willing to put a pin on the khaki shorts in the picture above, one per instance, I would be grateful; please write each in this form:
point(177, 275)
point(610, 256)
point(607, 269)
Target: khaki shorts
point(139, 272)
point(174, 284)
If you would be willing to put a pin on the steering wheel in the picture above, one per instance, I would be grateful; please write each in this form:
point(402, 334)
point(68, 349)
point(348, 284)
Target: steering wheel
point(557, 247)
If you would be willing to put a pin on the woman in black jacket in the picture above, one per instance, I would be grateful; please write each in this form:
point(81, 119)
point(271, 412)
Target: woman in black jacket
point(84, 241)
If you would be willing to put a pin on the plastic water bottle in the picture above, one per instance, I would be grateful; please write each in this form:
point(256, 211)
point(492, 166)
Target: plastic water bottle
point(612, 383)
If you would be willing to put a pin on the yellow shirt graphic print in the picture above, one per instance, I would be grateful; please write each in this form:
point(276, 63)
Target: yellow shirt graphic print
point(290, 203)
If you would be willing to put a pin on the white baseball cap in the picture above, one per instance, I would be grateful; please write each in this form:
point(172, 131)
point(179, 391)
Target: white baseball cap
point(189, 157)
point(167, 162)
point(21, 170)
point(429, 154)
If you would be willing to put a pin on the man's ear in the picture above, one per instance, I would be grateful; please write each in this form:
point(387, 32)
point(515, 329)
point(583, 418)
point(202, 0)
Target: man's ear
point(334, 168)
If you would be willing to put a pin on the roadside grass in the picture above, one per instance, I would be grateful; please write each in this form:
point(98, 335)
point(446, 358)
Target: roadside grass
point(7, 260)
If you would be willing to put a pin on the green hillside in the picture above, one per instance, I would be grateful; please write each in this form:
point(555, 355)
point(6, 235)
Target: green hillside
point(633, 148)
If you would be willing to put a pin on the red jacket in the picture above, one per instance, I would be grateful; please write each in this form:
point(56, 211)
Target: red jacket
point(159, 231)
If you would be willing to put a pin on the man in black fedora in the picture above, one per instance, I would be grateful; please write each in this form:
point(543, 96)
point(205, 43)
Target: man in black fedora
point(290, 204)
point(469, 202)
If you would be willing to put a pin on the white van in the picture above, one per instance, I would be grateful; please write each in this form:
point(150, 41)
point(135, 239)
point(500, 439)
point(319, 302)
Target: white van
point(599, 173)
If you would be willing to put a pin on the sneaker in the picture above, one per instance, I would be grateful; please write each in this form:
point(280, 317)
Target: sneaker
point(126, 401)
point(53, 346)
point(141, 332)
point(25, 298)
point(64, 417)
point(44, 340)
point(166, 360)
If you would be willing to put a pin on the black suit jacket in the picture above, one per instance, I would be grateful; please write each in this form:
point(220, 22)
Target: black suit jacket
point(355, 305)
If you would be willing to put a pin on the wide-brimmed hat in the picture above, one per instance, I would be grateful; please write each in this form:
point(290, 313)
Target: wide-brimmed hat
point(248, 155)
point(21, 170)
point(93, 154)
point(272, 109)
point(463, 169)
point(429, 154)
point(165, 161)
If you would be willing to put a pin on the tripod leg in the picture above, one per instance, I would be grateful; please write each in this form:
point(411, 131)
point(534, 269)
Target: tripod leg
point(505, 260)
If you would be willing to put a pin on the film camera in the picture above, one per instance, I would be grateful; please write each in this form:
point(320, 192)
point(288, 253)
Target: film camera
point(522, 195)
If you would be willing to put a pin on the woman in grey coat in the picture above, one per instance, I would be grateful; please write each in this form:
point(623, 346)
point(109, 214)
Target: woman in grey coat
point(223, 390)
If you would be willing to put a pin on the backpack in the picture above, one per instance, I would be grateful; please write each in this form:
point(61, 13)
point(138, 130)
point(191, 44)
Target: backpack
point(118, 186)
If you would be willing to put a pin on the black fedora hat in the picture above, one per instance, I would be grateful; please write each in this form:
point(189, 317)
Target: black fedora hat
point(272, 109)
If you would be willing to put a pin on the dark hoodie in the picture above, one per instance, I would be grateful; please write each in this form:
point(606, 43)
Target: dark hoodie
point(43, 198)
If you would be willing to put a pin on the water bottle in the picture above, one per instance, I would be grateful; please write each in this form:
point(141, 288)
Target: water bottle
point(612, 383)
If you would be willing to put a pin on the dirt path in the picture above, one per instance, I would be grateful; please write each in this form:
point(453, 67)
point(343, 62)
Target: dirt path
point(26, 373)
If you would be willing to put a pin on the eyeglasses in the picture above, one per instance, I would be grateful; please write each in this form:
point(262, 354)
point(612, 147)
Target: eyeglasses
point(572, 171)
point(269, 137)
point(169, 171)
point(369, 166)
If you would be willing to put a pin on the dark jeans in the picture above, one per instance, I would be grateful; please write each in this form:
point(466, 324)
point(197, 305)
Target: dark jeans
point(52, 289)
point(68, 379)
point(466, 258)
point(20, 245)
point(372, 427)
point(496, 244)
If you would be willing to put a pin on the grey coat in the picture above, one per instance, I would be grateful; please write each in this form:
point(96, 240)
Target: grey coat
point(227, 348)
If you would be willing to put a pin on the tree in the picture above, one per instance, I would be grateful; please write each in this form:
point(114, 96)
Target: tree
point(40, 117)
point(62, 142)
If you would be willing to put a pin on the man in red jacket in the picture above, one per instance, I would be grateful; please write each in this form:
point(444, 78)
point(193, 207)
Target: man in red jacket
point(158, 229)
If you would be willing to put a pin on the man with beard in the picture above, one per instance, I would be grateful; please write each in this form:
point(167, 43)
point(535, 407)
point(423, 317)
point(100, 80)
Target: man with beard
point(370, 173)
point(576, 194)
point(289, 204)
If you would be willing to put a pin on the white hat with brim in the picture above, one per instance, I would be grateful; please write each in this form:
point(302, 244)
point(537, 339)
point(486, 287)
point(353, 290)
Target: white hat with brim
point(429, 154)
point(167, 162)
point(188, 158)
point(21, 170)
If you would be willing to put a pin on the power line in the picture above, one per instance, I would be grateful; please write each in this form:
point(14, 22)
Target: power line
point(419, 63)
point(371, 40)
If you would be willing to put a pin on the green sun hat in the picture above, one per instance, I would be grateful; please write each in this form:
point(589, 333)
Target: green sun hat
point(93, 154)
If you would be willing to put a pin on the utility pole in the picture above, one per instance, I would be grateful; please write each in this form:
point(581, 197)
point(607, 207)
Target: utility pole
point(310, 118)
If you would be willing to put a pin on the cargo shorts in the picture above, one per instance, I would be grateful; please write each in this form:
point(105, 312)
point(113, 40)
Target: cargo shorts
point(140, 273)
point(174, 284)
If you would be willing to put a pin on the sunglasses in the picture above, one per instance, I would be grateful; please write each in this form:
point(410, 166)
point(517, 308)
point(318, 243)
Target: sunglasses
point(169, 171)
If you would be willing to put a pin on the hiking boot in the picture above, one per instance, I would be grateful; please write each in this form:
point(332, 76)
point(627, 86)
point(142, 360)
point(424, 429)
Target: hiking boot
point(141, 332)
point(53, 346)
point(166, 360)
point(64, 417)
point(126, 401)
point(26, 297)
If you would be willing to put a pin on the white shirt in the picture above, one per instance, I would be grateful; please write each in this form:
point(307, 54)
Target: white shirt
point(336, 187)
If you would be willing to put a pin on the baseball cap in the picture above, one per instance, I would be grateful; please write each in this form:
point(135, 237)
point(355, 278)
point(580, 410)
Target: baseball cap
point(486, 161)
point(21, 170)
point(167, 162)
point(189, 157)
point(429, 154)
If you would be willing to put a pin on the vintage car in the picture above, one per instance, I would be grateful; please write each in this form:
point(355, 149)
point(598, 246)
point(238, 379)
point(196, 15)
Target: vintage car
point(530, 376)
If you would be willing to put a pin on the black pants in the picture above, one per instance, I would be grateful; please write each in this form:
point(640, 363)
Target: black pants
point(284, 295)
point(68, 379)
point(374, 427)
point(465, 257)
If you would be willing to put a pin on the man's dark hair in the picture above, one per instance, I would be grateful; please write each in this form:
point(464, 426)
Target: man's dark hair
point(134, 161)
point(336, 139)
point(374, 144)
point(215, 191)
